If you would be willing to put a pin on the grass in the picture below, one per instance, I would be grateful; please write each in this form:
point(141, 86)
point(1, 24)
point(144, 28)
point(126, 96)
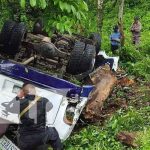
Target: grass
point(144, 139)
point(104, 137)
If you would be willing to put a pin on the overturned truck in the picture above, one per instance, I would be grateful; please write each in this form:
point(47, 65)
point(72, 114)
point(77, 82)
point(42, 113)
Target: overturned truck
point(60, 52)
point(26, 56)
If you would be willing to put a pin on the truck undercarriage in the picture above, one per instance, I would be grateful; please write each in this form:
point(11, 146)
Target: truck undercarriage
point(40, 60)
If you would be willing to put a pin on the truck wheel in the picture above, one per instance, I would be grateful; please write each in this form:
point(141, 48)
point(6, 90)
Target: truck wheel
point(97, 41)
point(6, 32)
point(17, 36)
point(88, 59)
point(38, 26)
point(73, 66)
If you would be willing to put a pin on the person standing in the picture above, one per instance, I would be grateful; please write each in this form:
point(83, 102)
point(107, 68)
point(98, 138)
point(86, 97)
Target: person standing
point(136, 31)
point(115, 39)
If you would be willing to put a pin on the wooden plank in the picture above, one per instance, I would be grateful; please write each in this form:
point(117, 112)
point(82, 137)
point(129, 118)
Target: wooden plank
point(29, 60)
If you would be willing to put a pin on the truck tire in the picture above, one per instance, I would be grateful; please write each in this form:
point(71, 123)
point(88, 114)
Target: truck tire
point(18, 34)
point(6, 32)
point(97, 41)
point(88, 58)
point(73, 66)
point(38, 26)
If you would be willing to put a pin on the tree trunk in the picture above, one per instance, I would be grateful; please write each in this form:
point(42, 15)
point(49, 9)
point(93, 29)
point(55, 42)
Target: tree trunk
point(120, 21)
point(100, 8)
point(104, 81)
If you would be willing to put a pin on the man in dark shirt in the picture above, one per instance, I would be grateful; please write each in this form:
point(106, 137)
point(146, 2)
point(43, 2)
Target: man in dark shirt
point(32, 130)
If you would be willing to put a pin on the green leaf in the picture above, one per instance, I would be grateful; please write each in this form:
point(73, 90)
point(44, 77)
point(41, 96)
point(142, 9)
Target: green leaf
point(85, 6)
point(47, 29)
point(66, 26)
point(43, 4)
point(73, 9)
point(114, 124)
point(64, 6)
point(33, 3)
point(61, 5)
point(23, 3)
point(83, 15)
point(58, 26)
point(62, 29)
point(68, 7)
point(56, 2)
point(70, 31)
point(78, 15)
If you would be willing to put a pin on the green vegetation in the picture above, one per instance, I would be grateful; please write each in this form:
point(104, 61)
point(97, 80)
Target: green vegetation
point(64, 15)
point(81, 17)
point(103, 137)
point(136, 62)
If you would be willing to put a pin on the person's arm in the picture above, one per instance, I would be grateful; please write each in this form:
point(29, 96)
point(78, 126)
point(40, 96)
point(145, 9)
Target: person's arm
point(115, 39)
point(47, 104)
point(13, 106)
point(132, 27)
point(138, 27)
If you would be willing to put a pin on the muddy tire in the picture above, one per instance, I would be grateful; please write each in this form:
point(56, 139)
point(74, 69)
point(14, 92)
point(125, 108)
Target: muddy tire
point(6, 32)
point(18, 35)
point(88, 59)
point(73, 66)
point(96, 40)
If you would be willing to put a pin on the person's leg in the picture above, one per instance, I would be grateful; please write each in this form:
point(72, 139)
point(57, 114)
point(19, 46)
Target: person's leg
point(22, 144)
point(133, 40)
point(114, 48)
point(3, 129)
point(42, 147)
point(137, 40)
point(53, 139)
point(30, 141)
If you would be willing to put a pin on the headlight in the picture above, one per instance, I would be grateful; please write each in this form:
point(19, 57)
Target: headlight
point(69, 114)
